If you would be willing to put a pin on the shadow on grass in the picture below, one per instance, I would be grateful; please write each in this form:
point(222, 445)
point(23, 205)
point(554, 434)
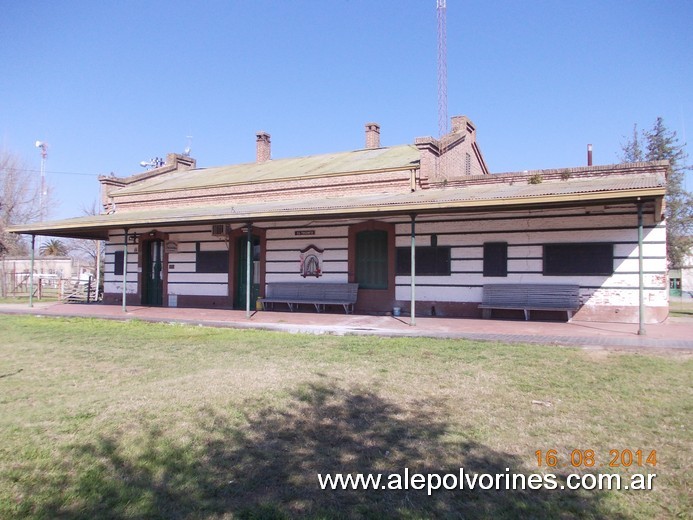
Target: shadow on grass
point(268, 468)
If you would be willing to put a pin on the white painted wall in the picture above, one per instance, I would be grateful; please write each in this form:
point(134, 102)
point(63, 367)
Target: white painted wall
point(182, 278)
point(525, 232)
point(284, 246)
point(525, 237)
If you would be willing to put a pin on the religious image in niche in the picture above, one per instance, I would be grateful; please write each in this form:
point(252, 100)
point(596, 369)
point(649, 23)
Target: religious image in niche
point(311, 262)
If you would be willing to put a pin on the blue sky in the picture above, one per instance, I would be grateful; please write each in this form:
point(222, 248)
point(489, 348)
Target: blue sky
point(109, 84)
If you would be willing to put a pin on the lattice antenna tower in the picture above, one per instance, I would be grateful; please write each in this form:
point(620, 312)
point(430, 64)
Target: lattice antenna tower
point(441, 9)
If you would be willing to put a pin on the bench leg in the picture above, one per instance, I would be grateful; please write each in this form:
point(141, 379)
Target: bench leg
point(527, 311)
point(291, 307)
point(570, 315)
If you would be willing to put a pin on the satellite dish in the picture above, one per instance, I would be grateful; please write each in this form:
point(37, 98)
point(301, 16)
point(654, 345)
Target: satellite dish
point(39, 144)
point(144, 164)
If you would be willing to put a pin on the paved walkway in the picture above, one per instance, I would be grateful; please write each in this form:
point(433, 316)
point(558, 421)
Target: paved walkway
point(676, 333)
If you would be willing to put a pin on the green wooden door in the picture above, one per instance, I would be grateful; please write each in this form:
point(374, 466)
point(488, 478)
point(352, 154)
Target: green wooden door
point(371, 260)
point(241, 279)
point(153, 287)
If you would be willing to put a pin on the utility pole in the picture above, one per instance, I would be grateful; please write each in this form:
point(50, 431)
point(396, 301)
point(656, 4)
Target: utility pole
point(41, 145)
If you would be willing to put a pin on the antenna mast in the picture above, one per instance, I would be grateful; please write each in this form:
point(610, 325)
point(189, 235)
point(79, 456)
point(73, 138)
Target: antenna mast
point(441, 8)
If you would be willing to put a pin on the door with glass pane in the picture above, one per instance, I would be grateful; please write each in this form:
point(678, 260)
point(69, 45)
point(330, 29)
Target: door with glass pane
point(153, 273)
point(241, 270)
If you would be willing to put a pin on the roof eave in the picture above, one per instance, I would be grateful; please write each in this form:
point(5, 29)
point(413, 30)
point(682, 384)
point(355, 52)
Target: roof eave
point(98, 230)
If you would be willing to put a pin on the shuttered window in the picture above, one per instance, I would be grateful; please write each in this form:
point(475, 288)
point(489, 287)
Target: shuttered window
point(118, 257)
point(211, 261)
point(587, 259)
point(371, 259)
point(430, 261)
point(496, 259)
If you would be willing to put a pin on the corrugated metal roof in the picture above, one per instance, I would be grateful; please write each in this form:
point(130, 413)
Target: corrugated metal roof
point(468, 198)
point(359, 161)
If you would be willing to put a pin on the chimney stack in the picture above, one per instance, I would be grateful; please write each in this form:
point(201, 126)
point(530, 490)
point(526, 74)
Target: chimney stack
point(372, 135)
point(264, 151)
point(589, 155)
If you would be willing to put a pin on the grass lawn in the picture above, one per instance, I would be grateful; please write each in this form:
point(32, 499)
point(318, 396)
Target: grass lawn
point(25, 299)
point(103, 419)
point(681, 308)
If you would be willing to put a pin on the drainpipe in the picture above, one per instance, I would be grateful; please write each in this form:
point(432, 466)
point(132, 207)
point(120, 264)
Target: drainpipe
point(31, 272)
point(249, 251)
point(412, 320)
point(125, 269)
point(641, 288)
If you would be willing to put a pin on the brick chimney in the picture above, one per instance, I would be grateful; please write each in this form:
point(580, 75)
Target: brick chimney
point(372, 135)
point(462, 124)
point(264, 152)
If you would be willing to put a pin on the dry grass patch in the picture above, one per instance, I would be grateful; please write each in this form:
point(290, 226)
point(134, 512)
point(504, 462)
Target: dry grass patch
point(681, 308)
point(134, 420)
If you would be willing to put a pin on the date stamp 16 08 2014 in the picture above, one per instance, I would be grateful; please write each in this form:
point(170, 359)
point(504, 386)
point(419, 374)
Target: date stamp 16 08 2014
point(589, 458)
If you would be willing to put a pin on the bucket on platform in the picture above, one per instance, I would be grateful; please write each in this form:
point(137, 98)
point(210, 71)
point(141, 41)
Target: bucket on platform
point(396, 311)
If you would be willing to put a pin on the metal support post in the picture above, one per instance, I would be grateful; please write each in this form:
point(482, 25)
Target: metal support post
point(31, 272)
point(412, 319)
point(248, 258)
point(125, 270)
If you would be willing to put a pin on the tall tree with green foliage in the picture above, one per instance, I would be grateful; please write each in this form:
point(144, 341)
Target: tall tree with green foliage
point(657, 144)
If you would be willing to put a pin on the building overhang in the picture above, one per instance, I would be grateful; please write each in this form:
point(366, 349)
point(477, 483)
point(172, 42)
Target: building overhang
point(431, 201)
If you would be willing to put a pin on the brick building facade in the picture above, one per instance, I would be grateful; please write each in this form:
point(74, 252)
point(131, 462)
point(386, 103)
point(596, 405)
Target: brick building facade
point(187, 229)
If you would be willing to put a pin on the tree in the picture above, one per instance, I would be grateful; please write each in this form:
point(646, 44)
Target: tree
point(632, 152)
point(85, 249)
point(660, 143)
point(19, 200)
point(53, 247)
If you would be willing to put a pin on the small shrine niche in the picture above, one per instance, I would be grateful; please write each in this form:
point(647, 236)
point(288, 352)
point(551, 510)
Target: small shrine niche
point(311, 262)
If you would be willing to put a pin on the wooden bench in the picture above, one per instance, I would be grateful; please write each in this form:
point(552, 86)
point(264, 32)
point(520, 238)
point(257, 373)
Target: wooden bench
point(318, 294)
point(531, 297)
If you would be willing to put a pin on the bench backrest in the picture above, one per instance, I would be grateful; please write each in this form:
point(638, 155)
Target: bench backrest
point(282, 290)
point(532, 295)
point(314, 291)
